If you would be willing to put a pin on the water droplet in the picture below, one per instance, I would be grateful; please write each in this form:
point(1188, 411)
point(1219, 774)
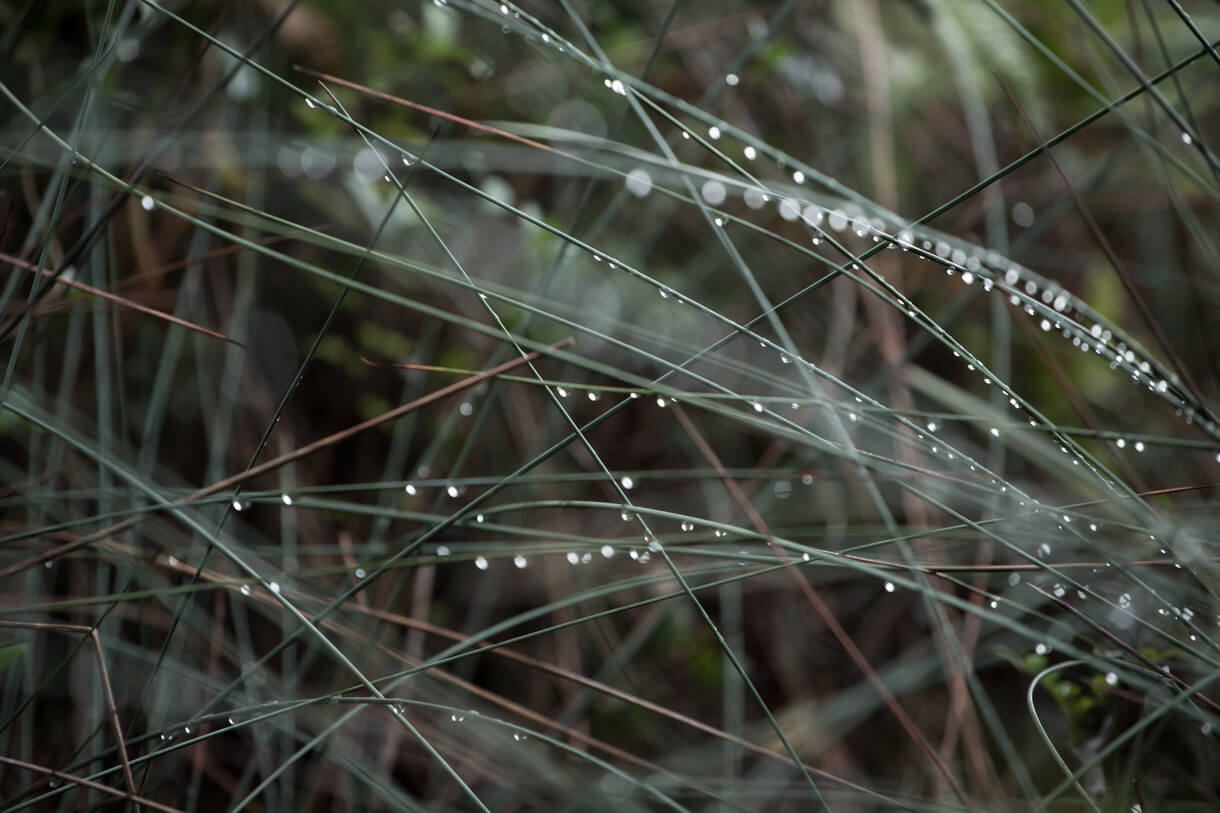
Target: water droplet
point(561, 392)
point(1042, 649)
point(837, 220)
point(173, 560)
point(245, 589)
point(627, 483)
point(479, 518)
point(1059, 591)
point(237, 506)
point(1139, 446)
point(713, 133)
point(638, 182)
point(654, 545)
point(452, 491)
point(608, 551)
point(520, 561)
point(480, 562)
point(687, 525)
point(1186, 139)
point(798, 177)
point(286, 499)
point(732, 79)
point(757, 406)
point(410, 489)
point(790, 209)
point(274, 587)
point(442, 550)
point(713, 192)
point(1124, 601)
point(750, 153)
point(594, 396)
point(754, 197)
point(1044, 550)
point(573, 558)
point(310, 103)
point(661, 402)
point(889, 587)
point(148, 203)
point(993, 604)
point(1111, 679)
point(360, 573)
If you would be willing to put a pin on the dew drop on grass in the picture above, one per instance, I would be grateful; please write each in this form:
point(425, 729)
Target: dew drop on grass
point(1014, 579)
point(837, 220)
point(274, 587)
point(286, 499)
point(638, 182)
point(1044, 550)
point(713, 192)
point(798, 177)
point(790, 209)
point(687, 525)
point(452, 491)
point(245, 589)
point(480, 562)
point(442, 550)
point(595, 396)
point(1186, 139)
point(627, 483)
point(360, 574)
point(410, 489)
point(889, 587)
point(608, 551)
point(731, 79)
point(237, 506)
point(573, 558)
point(148, 203)
point(1139, 446)
point(757, 406)
point(713, 133)
point(479, 518)
point(754, 197)
point(521, 562)
point(661, 402)
point(1041, 649)
point(750, 153)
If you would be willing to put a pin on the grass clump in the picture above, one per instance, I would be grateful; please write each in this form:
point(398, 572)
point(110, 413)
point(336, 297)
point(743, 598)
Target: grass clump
point(468, 405)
